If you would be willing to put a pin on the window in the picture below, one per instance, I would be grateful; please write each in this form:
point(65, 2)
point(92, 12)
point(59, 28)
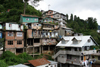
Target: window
point(79, 49)
point(10, 42)
point(27, 18)
point(36, 40)
point(85, 48)
point(89, 40)
point(92, 56)
point(75, 49)
point(19, 42)
point(10, 33)
point(99, 58)
point(75, 42)
point(36, 19)
point(63, 42)
point(81, 57)
point(69, 57)
point(19, 34)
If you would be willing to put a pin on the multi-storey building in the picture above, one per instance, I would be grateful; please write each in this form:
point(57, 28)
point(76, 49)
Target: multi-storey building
point(32, 35)
point(1, 35)
point(40, 36)
point(49, 34)
point(14, 37)
point(95, 59)
point(74, 51)
point(56, 15)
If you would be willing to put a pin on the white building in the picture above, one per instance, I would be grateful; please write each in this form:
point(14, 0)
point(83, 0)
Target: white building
point(19, 65)
point(74, 51)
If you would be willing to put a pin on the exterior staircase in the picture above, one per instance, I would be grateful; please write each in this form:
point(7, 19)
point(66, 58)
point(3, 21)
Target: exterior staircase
point(58, 53)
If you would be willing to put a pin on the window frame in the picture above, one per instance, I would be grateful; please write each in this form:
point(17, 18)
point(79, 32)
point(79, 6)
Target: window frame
point(19, 42)
point(10, 42)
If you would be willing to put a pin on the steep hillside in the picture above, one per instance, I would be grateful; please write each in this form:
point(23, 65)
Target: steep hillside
point(10, 10)
point(87, 27)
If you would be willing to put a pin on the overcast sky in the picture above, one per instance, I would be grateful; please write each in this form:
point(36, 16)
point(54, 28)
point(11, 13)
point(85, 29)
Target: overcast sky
point(81, 8)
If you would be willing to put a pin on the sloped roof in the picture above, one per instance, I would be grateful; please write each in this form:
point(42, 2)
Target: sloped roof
point(19, 65)
point(39, 62)
point(83, 42)
point(29, 15)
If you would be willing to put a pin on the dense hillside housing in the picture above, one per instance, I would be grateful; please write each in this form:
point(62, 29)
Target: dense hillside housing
point(33, 35)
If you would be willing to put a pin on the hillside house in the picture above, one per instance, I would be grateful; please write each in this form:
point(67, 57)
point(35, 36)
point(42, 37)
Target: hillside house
point(14, 37)
point(33, 34)
point(74, 51)
point(42, 63)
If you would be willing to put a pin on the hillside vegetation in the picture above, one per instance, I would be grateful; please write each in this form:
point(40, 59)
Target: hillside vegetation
point(87, 27)
point(10, 10)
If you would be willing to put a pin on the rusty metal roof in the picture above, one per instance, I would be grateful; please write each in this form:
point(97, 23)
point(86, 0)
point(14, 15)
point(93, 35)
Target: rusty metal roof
point(39, 62)
point(29, 15)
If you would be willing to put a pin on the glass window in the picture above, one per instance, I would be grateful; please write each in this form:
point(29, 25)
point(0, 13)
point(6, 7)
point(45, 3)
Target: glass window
point(10, 42)
point(75, 49)
point(10, 33)
point(99, 58)
point(19, 42)
point(81, 57)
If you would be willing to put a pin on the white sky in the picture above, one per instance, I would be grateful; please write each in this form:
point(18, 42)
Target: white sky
point(81, 8)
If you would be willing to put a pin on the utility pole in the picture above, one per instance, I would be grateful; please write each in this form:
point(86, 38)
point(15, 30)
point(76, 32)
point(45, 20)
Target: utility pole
point(48, 6)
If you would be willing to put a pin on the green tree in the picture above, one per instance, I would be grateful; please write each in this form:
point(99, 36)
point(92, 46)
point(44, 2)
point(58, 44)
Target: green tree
point(25, 57)
point(34, 3)
point(71, 17)
point(2, 64)
point(67, 16)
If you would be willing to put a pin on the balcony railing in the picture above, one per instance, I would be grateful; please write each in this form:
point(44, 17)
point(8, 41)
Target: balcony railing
point(49, 43)
point(74, 52)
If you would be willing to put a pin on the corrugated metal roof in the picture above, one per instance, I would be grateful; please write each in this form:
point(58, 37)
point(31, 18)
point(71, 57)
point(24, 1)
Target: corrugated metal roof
point(39, 62)
point(19, 65)
point(83, 42)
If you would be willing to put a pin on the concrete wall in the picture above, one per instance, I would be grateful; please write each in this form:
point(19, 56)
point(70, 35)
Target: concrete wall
point(19, 35)
point(29, 33)
point(13, 50)
point(9, 37)
point(62, 58)
point(30, 19)
point(36, 26)
point(43, 65)
point(15, 45)
point(49, 42)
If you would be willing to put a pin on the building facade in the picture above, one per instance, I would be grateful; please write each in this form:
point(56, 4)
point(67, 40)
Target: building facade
point(74, 51)
point(14, 37)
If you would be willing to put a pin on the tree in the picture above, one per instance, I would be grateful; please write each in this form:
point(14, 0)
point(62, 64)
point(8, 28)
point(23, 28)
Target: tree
point(71, 17)
point(33, 2)
point(67, 16)
point(2, 64)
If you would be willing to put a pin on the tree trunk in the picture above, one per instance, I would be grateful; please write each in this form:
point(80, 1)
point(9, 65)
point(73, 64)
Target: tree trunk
point(25, 7)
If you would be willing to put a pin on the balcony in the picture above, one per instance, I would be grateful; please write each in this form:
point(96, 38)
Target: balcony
point(89, 52)
point(36, 34)
point(72, 61)
point(47, 28)
point(49, 42)
point(49, 34)
point(74, 52)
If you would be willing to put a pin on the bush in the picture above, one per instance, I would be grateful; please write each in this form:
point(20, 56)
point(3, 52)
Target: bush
point(25, 57)
point(2, 64)
point(7, 54)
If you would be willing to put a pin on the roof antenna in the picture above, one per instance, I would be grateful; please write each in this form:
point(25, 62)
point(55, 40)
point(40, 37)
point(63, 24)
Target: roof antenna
point(48, 6)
